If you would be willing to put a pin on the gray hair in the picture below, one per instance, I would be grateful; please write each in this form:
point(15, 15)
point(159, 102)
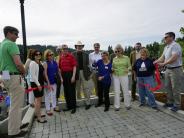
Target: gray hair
point(118, 46)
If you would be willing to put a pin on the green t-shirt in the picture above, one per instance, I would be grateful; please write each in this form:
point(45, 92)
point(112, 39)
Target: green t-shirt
point(7, 50)
point(121, 65)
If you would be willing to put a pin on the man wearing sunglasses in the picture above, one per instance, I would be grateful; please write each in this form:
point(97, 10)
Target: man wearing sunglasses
point(172, 60)
point(11, 69)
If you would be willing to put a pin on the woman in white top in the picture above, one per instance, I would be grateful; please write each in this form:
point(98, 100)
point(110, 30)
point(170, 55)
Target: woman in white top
point(28, 77)
point(37, 81)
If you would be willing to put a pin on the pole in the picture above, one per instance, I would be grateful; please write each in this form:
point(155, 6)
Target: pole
point(23, 30)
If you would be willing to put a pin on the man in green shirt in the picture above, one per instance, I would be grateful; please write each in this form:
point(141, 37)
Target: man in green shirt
point(11, 69)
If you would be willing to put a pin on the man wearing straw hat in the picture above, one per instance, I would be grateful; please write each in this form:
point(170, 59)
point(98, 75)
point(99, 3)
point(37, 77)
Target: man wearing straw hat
point(82, 73)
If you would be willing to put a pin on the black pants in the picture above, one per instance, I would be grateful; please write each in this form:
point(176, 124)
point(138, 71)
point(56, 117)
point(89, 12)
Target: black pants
point(69, 90)
point(133, 88)
point(103, 91)
point(58, 82)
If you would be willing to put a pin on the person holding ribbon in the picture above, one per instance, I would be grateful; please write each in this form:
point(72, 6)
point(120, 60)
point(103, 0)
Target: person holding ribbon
point(143, 74)
point(51, 70)
point(37, 81)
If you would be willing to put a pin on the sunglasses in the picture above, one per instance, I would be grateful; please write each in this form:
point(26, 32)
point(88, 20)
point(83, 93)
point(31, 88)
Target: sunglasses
point(166, 37)
point(15, 33)
point(117, 51)
point(50, 55)
point(38, 54)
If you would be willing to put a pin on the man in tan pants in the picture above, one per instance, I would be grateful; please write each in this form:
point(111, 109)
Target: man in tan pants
point(11, 69)
point(82, 73)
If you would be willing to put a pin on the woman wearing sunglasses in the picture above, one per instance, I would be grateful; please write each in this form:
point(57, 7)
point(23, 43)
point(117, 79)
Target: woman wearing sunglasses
point(120, 67)
point(37, 81)
point(51, 70)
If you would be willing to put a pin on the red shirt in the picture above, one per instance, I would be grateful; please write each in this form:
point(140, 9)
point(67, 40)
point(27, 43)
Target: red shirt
point(67, 62)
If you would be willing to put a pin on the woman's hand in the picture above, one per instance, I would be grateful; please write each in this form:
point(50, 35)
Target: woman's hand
point(100, 78)
point(72, 79)
point(40, 88)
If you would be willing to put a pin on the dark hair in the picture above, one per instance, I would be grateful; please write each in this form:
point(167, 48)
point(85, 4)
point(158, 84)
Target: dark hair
point(34, 54)
point(138, 43)
point(9, 29)
point(97, 44)
point(171, 34)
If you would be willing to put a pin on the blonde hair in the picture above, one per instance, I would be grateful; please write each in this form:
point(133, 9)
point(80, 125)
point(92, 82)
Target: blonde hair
point(48, 51)
point(118, 46)
point(145, 50)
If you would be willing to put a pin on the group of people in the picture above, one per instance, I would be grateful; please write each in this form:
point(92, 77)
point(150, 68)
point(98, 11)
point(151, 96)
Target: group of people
point(45, 74)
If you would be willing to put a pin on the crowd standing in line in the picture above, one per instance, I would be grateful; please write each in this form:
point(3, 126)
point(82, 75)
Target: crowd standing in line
point(73, 70)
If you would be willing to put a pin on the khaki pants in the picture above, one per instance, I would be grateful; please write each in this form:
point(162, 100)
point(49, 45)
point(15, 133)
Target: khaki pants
point(85, 86)
point(94, 79)
point(16, 92)
point(173, 83)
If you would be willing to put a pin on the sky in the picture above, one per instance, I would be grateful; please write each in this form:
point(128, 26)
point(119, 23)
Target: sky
point(109, 22)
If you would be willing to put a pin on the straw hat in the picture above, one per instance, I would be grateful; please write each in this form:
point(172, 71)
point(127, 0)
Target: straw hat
point(79, 43)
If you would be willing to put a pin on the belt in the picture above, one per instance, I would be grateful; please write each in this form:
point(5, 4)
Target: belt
point(173, 67)
point(11, 73)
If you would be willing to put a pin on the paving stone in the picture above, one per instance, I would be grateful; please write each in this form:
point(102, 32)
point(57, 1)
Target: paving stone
point(95, 123)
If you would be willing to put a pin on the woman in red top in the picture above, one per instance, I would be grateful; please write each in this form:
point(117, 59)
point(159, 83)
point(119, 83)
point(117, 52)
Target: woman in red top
point(67, 65)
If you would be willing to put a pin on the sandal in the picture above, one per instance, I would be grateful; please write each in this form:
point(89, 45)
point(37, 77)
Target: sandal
point(49, 113)
point(42, 121)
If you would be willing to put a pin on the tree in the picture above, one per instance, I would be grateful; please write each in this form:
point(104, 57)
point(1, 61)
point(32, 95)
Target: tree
point(110, 50)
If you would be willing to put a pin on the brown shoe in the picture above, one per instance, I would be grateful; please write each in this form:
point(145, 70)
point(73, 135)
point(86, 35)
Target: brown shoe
point(49, 113)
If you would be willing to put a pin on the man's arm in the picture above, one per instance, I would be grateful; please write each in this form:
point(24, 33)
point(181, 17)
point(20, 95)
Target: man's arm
point(172, 59)
point(160, 60)
point(18, 63)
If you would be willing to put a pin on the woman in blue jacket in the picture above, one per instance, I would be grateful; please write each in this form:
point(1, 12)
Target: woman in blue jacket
point(104, 67)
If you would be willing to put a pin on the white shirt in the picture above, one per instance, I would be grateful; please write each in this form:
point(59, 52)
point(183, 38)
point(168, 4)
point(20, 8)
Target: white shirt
point(34, 72)
point(169, 50)
point(93, 58)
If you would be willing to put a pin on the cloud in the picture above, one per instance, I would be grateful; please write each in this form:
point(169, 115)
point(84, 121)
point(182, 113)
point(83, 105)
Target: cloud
point(106, 21)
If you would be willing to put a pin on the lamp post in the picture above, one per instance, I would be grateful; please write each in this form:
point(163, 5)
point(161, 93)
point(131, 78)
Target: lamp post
point(23, 29)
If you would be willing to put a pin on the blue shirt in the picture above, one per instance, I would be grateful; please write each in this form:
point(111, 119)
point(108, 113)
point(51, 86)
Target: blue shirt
point(104, 70)
point(144, 68)
point(52, 69)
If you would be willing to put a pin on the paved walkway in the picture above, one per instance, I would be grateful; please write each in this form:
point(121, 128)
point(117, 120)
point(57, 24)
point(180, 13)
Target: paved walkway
point(139, 122)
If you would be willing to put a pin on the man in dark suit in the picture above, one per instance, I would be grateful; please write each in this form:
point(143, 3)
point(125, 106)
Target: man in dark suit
point(82, 73)
point(134, 55)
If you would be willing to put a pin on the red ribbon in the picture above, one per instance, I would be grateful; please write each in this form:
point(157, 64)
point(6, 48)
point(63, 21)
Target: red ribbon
point(157, 79)
point(35, 88)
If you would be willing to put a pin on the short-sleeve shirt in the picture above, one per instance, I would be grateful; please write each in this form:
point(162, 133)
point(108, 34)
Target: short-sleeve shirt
point(7, 50)
point(169, 50)
point(121, 65)
point(67, 62)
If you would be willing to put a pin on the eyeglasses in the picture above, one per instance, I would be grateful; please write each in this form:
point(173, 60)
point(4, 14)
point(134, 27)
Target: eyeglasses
point(97, 47)
point(38, 54)
point(117, 51)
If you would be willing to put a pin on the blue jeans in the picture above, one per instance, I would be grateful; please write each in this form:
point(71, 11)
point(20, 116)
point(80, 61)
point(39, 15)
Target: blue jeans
point(144, 91)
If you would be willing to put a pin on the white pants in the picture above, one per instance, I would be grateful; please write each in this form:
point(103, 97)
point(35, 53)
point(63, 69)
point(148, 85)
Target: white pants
point(123, 81)
point(50, 97)
point(31, 97)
